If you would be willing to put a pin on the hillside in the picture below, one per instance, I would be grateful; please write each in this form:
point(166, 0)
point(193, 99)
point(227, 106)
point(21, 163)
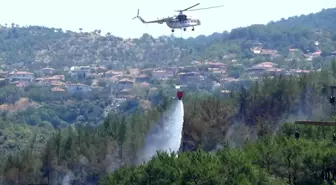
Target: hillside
point(53, 47)
point(252, 118)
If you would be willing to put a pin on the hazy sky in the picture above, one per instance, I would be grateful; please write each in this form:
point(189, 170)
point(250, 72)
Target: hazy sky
point(116, 16)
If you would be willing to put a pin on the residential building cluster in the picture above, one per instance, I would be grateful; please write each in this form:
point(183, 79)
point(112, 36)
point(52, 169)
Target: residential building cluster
point(127, 83)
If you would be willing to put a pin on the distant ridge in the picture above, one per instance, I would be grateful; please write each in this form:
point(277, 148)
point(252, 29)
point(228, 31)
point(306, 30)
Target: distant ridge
point(53, 47)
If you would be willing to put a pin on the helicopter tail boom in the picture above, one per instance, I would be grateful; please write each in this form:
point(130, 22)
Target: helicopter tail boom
point(160, 21)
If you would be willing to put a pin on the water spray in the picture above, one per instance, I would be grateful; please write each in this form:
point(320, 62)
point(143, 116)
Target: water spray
point(166, 135)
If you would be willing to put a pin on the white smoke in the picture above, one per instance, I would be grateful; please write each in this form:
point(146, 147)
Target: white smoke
point(237, 134)
point(67, 178)
point(166, 136)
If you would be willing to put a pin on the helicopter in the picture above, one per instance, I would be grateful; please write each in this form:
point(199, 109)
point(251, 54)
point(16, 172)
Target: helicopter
point(180, 21)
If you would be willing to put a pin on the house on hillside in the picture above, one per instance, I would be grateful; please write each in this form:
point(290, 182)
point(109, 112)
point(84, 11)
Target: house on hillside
point(294, 50)
point(171, 72)
point(47, 81)
point(111, 73)
point(260, 68)
point(294, 53)
point(80, 71)
point(46, 71)
point(190, 77)
point(57, 83)
point(217, 71)
point(269, 52)
point(22, 84)
point(78, 88)
point(312, 55)
point(3, 74)
point(265, 65)
point(58, 91)
point(21, 76)
point(57, 77)
point(256, 50)
point(274, 71)
point(152, 91)
point(261, 51)
point(134, 71)
point(142, 78)
point(99, 69)
point(218, 65)
point(186, 69)
point(196, 62)
point(161, 74)
point(143, 85)
point(125, 84)
point(125, 93)
point(333, 53)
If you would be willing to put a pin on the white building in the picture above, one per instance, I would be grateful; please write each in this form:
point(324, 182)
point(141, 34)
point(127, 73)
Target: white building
point(21, 76)
point(256, 50)
point(80, 71)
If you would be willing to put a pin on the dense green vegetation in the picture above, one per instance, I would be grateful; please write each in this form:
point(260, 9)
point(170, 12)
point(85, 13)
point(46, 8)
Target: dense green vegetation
point(113, 143)
point(257, 147)
point(262, 158)
point(208, 120)
point(271, 160)
point(52, 108)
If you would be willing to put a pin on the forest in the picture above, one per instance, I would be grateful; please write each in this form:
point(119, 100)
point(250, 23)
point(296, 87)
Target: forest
point(261, 148)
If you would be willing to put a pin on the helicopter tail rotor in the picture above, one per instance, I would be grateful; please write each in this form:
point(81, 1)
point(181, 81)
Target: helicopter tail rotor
point(137, 15)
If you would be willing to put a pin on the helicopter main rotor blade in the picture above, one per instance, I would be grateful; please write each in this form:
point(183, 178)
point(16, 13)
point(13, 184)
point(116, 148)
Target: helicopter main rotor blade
point(205, 8)
point(187, 8)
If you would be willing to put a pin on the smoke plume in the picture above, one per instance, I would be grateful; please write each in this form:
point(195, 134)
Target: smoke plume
point(166, 135)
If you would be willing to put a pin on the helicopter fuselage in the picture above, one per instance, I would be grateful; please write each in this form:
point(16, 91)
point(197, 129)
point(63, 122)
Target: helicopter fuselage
point(175, 24)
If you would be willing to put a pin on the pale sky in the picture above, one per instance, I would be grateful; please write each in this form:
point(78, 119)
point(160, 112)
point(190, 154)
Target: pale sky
point(116, 16)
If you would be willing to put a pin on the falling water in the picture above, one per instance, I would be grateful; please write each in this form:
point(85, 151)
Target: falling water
point(166, 136)
point(67, 178)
